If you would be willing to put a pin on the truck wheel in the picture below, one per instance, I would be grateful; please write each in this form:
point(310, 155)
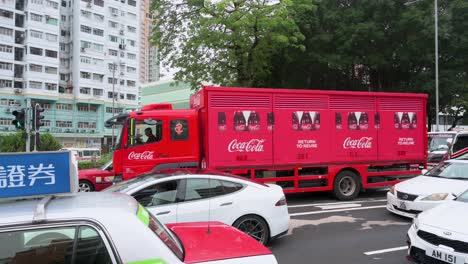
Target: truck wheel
point(254, 226)
point(346, 186)
point(85, 186)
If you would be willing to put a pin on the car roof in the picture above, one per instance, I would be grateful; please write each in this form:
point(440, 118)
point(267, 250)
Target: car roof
point(102, 207)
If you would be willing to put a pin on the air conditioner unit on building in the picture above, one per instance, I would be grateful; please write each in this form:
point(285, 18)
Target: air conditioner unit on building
point(8, 110)
point(83, 49)
point(18, 91)
point(121, 32)
point(113, 14)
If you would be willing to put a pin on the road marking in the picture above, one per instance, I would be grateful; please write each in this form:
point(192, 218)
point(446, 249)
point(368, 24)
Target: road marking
point(338, 206)
point(385, 250)
point(338, 210)
point(317, 204)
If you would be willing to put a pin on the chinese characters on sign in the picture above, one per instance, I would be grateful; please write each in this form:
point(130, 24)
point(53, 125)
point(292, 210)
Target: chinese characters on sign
point(14, 176)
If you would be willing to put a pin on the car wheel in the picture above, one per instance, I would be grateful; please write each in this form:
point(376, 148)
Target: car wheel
point(255, 227)
point(85, 186)
point(346, 186)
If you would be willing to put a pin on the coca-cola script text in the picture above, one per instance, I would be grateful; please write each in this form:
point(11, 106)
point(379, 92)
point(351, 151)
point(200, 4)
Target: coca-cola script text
point(146, 155)
point(362, 143)
point(254, 145)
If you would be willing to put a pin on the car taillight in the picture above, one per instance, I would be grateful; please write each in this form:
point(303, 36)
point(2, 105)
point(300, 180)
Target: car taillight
point(281, 202)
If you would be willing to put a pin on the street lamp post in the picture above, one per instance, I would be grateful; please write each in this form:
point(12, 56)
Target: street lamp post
point(113, 101)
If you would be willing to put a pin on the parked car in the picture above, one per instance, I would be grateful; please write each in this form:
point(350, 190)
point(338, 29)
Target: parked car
point(257, 209)
point(96, 179)
point(440, 235)
point(443, 183)
point(86, 154)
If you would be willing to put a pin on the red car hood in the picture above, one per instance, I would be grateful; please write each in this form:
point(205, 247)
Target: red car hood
point(93, 172)
point(223, 242)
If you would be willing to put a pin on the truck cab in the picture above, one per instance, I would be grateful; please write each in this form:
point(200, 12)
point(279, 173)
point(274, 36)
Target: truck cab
point(446, 145)
point(153, 138)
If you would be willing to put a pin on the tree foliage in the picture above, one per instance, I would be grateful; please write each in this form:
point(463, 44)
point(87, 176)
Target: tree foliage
point(17, 142)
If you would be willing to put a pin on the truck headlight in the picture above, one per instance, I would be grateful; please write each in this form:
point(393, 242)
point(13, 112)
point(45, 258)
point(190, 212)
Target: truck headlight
point(435, 197)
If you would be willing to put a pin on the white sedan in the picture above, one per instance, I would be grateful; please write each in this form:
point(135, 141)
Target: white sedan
point(257, 209)
point(443, 183)
point(440, 235)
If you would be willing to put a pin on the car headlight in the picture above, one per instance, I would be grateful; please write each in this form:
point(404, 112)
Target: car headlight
point(416, 223)
point(392, 190)
point(435, 197)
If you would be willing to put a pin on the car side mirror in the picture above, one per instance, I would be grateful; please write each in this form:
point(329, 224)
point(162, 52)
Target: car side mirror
point(424, 171)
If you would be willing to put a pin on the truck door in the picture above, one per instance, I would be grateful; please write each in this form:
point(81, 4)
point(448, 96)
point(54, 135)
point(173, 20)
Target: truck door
point(146, 145)
point(460, 146)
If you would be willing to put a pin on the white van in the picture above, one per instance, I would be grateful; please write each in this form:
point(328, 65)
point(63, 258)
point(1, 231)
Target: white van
point(86, 154)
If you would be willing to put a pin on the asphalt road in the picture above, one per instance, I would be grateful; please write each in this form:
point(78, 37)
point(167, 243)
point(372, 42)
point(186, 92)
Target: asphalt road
point(323, 230)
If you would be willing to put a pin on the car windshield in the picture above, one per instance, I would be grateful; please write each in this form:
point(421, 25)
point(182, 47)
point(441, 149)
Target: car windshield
point(463, 197)
point(450, 170)
point(105, 166)
point(438, 141)
point(129, 184)
point(161, 231)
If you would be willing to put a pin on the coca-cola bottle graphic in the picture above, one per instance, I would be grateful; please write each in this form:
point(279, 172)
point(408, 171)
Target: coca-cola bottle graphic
point(295, 121)
point(221, 121)
point(254, 121)
point(377, 120)
point(364, 121)
point(239, 121)
point(405, 121)
point(414, 122)
point(396, 121)
point(317, 121)
point(306, 121)
point(338, 122)
point(270, 121)
point(352, 121)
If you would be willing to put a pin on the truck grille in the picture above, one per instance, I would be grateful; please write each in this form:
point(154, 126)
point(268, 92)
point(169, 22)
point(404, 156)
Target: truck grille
point(458, 246)
point(406, 196)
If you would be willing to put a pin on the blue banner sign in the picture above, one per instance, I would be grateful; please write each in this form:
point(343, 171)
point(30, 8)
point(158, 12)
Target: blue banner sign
point(36, 174)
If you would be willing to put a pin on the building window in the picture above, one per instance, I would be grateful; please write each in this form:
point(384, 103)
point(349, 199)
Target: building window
point(51, 37)
point(122, 13)
point(109, 94)
point(131, 56)
point(51, 86)
point(114, 11)
point(131, 83)
point(85, 75)
point(46, 123)
point(37, 2)
point(6, 48)
point(35, 85)
point(35, 67)
point(6, 66)
point(45, 106)
point(86, 14)
point(35, 51)
point(36, 17)
point(86, 124)
point(50, 70)
point(6, 31)
point(68, 107)
point(99, 3)
point(98, 92)
point(6, 14)
point(116, 110)
point(122, 96)
point(99, 18)
point(85, 90)
point(131, 42)
point(51, 21)
point(5, 122)
point(98, 62)
point(9, 102)
point(131, 69)
point(36, 34)
point(132, 16)
point(131, 97)
point(98, 77)
point(98, 32)
point(132, 2)
point(113, 52)
point(131, 29)
point(113, 24)
point(111, 80)
point(63, 18)
point(112, 67)
point(113, 38)
point(51, 53)
point(63, 124)
point(65, 63)
point(122, 82)
point(98, 47)
point(52, 4)
point(86, 60)
point(85, 29)
point(6, 83)
point(85, 44)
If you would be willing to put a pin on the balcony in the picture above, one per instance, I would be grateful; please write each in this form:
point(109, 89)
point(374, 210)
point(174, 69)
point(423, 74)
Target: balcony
point(19, 5)
point(19, 37)
point(19, 54)
point(19, 21)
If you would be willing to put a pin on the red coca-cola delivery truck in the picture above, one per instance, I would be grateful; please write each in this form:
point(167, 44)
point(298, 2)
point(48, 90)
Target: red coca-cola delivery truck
point(302, 140)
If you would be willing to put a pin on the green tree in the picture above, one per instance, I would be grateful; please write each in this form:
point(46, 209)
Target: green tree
point(17, 142)
point(226, 42)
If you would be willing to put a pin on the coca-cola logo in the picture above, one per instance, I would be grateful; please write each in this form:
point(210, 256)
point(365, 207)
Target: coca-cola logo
point(362, 143)
point(146, 155)
point(254, 145)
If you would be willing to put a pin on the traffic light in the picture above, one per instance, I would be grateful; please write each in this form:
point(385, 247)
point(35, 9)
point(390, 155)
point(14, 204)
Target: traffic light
point(37, 117)
point(19, 121)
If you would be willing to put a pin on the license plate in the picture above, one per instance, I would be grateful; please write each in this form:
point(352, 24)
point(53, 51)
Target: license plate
point(445, 257)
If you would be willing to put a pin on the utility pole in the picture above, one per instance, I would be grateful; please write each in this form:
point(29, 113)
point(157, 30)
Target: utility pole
point(436, 32)
point(113, 102)
point(28, 124)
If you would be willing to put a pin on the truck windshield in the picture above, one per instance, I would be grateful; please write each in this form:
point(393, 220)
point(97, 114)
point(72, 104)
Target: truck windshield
point(438, 141)
point(118, 141)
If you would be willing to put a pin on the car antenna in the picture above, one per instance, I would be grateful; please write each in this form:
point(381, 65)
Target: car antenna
point(208, 231)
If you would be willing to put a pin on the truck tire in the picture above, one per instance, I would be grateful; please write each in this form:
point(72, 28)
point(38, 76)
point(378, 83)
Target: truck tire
point(346, 186)
point(85, 186)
